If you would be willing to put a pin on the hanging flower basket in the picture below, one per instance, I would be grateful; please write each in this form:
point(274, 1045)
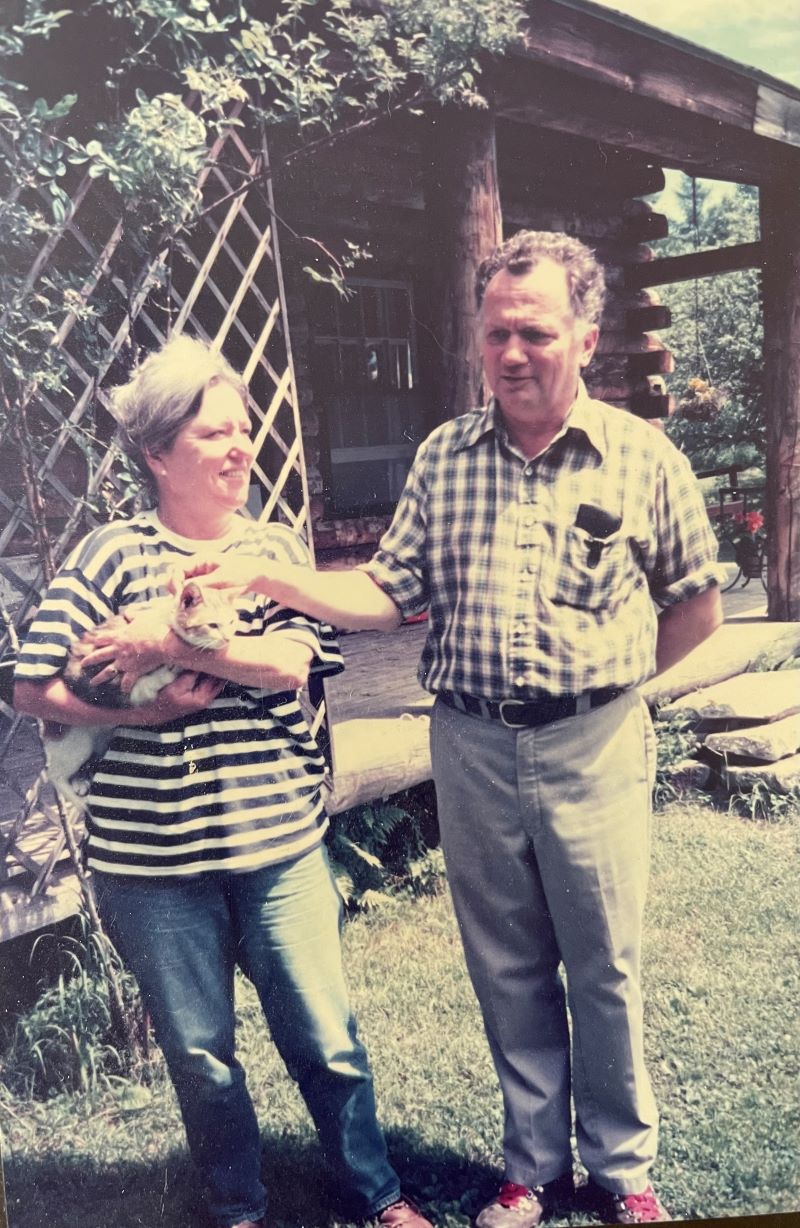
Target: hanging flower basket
point(701, 401)
point(748, 558)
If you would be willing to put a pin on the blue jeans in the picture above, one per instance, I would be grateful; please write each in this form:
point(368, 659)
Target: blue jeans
point(182, 938)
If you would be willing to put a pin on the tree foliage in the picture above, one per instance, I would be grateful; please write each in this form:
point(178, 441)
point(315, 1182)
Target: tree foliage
point(716, 336)
point(133, 94)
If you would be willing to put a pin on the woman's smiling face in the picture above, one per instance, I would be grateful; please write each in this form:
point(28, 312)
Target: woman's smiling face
point(208, 466)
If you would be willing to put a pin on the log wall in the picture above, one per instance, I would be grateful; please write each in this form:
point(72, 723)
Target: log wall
point(385, 190)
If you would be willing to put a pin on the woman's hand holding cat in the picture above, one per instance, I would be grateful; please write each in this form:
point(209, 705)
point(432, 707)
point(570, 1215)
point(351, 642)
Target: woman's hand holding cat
point(128, 648)
point(189, 693)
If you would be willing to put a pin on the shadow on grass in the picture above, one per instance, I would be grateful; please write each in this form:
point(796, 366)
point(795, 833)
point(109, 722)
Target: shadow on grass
point(79, 1191)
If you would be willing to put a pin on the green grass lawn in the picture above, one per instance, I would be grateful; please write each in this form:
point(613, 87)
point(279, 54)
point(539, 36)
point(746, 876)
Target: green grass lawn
point(722, 985)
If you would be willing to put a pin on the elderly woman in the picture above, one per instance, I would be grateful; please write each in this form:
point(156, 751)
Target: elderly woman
point(205, 820)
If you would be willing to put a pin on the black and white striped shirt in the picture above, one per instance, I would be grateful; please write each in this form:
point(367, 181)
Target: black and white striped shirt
point(234, 787)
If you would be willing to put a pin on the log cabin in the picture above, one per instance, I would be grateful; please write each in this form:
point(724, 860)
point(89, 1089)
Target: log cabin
point(582, 123)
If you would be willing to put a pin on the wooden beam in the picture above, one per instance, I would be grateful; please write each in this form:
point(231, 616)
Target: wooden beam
point(549, 97)
point(646, 319)
point(646, 405)
point(780, 209)
point(376, 757)
point(732, 649)
point(463, 213)
point(646, 227)
point(542, 166)
point(777, 115)
point(708, 263)
point(655, 362)
point(637, 63)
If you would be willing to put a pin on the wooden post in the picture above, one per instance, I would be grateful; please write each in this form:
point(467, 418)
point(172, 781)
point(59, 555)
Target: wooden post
point(780, 211)
point(462, 201)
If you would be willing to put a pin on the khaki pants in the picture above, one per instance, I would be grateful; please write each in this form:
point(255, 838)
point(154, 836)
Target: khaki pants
point(546, 838)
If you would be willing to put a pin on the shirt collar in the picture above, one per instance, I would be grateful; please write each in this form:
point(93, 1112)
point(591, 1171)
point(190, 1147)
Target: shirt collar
point(581, 418)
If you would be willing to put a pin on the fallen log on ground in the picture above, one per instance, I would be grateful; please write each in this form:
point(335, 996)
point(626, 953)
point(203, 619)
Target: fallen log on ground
point(755, 697)
point(735, 648)
point(768, 743)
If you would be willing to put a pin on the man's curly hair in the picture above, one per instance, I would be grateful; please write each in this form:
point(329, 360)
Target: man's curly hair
point(519, 254)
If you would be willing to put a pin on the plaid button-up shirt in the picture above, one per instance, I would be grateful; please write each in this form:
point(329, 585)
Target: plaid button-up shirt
point(521, 602)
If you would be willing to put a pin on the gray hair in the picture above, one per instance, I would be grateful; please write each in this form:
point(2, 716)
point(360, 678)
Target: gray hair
point(519, 254)
point(163, 394)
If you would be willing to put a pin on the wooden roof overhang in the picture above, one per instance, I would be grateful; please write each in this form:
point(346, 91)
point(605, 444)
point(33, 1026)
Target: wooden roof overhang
point(592, 72)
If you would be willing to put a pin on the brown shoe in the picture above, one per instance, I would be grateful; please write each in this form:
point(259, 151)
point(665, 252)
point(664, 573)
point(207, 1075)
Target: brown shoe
point(644, 1208)
point(403, 1214)
point(517, 1206)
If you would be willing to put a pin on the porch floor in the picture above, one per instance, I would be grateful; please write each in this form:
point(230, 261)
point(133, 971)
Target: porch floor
point(380, 676)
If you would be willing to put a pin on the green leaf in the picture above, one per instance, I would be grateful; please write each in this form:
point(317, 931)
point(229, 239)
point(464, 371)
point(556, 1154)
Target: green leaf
point(357, 851)
point(63, 106)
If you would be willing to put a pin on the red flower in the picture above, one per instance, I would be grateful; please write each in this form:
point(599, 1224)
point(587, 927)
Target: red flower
point(754, 521)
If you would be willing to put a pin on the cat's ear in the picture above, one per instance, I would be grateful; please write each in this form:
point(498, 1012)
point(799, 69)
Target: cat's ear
point(174, 578)
point(191, 595)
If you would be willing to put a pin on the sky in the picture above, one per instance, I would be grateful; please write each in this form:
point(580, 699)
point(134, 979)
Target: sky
point(763, 35)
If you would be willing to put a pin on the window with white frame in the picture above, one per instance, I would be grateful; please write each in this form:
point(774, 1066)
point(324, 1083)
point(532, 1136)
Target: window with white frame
point(365, 383)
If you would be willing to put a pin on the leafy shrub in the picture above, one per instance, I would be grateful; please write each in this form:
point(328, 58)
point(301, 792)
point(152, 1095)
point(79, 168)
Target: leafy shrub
point(69, 1040)
point(676, 740)
point(387, 847)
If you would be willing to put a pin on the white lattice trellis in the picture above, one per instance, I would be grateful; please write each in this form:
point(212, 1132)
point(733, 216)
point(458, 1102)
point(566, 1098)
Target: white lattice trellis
point(222, 282)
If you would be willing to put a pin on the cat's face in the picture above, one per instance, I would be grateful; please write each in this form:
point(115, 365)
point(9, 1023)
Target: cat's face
point(203, 617)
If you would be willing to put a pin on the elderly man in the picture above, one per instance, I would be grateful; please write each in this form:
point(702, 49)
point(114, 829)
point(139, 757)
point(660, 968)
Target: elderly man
point(538, 532)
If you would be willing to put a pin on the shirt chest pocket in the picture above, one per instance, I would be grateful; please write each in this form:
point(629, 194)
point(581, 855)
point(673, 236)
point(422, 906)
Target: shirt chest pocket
point(591, 573)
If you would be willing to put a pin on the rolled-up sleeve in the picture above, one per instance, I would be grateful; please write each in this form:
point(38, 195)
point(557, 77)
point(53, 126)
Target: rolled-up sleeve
point(75, 602)
point(686, 556)
point(399, 565)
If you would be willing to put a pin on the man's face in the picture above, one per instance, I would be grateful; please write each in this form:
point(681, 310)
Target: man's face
point(533, 348)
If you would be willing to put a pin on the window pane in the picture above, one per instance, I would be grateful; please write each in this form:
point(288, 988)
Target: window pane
point(373, 365)
point(370, 300)
point(348, 311)
point(400, 366)
point(365, 387)
point(397, 312)
point(352, 366)
point(322, 308)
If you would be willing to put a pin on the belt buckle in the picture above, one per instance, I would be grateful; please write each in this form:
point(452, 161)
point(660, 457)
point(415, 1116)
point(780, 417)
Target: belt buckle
point(509, 724)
